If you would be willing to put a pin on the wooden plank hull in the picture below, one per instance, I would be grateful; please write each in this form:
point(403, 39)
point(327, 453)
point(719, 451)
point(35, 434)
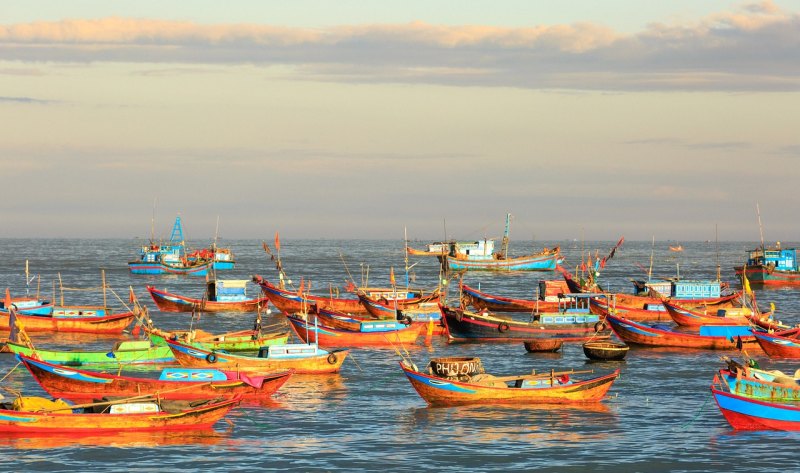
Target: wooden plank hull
point(171, 302)
point(231, 341)
point(200, 417)
point(537, 262)
point(329, 337)
point(152, 355)
point(763, 275)
point(141, 267)
point(695, 318)
point(438, 391)
point(191, 356)
point(639, 334)
point(290, 302)
point(464, 326)
point(113, 323)
point(84, 386)
point(777, 346)
point(481, 300)
point(744, 413)
point(646, 309)
point(756, 388)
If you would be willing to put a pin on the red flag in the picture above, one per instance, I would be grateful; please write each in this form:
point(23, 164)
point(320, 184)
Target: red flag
point(277, 242)
point(131, 295)
point(350, 287)
point(7, 302)
point(136, 330)
point(391, 276)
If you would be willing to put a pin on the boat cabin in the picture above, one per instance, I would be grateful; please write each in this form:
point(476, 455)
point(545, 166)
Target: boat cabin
point(227, 290)
point(777, 258)
point(552, 291)
point(289, 350)
point(191, 375)
point(680, 288)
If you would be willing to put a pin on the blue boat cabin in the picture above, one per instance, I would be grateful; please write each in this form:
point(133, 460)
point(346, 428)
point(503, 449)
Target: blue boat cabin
point(780, 259)
point(228, 290)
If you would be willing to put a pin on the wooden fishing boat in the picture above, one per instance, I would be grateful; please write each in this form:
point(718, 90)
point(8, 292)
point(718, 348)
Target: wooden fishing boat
point(605, 350)
point(638, 309)
point(290, 302)
point(774, 266)
point(198, 268)
point(708, 337)
point(493, 303)
point(572, 323)
point(173, 383)
point(423, 313)
point(220, 296)
point(123, 353)
point(77, 323)
point(25, 305)
point(301, 358)
point(173, 258)
point(696, 318)
point(544, 345)
point(747, 413)
point(223, 258)
point(416, 252)
point(546, 388)
point(484, 258)
point(39, 415)
point(243, 340)
point(367, 333)
point(743, 382)
point(780, 344)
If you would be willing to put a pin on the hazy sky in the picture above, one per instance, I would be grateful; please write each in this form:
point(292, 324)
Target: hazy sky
point(352, 119)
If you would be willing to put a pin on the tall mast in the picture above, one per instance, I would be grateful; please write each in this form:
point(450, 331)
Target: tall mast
point(505, 236)
point(716, 238)
point(652, 250)
point(153, 222)
point(760, 229)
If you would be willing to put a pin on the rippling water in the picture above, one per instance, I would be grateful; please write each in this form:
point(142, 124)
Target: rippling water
point(660, 416)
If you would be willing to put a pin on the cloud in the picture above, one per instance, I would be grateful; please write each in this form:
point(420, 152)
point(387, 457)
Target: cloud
point(756, 47)
point(30, 100)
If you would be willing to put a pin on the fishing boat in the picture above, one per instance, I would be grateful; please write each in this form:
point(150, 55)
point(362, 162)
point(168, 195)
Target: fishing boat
point(676, 249)
point(26, 305)
point(726, 337)
point(299, 357)
point(521, 390)
point(39, 415)
point(548, 300)
point(291, 302)
point(242, 340)
point(696, 318)
point(647, 309)
point(752, 384)
point(747, 413)
point(223, 258)
point(772, 266)
point(421, 313)
point(544, 345)
point(605, 350)
point(573, 322)
point(486, 260)
point(221, 295)
point(781, 344)
point(438, 248)
point(78, 323)
point(353, 333)
point(123, 353)
point(169, 258)
point(173, 383)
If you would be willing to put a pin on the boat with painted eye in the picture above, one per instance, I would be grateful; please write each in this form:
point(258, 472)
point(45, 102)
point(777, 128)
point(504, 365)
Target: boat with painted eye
point(31, 415)
point(545, 388)
point(298, 357)
point(173, 383)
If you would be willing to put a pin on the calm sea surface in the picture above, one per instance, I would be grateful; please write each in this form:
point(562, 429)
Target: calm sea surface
point(660, 416)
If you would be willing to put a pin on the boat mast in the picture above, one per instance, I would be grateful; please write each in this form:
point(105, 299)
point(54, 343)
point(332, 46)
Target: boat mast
point(652, 250)
point(761, 232)
point(405, 253)
point(716, 239)
point(505, 236)
point(153, 223)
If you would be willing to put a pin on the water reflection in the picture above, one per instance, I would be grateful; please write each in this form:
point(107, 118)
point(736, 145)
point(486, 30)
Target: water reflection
point(33, 441)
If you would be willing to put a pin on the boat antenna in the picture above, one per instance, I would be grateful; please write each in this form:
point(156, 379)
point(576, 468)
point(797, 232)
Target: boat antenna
point(216, 235)
point(760, 228)
point(405, 253)
point(153, 222)
point(716, 239)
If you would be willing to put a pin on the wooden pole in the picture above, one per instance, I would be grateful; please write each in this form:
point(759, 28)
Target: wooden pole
point(61, 285)
point(105, 302)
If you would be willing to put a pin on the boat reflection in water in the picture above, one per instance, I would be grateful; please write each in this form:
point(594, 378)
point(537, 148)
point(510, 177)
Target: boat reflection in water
point(46, 441)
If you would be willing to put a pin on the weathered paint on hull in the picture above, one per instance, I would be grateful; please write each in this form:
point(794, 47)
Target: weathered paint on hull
point(633, 332)
point(170, 302)
point(291, 303)
point(235, 341)
point(694, 318)
point(770, 277)
point(481, 300)
point(36, 422)
point(153, 355)
point(328, 337)
point(137, 267)
point(446, 392)
point(523, 263)
point(83, 386)
point(195, 357)
point(744, 413)
point(114, 323)
point(760, 389)
point(776, 346)
point(464, 326)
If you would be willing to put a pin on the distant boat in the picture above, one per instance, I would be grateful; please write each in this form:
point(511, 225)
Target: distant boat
point(772, 266)
point(221, 295)
point(676, 248)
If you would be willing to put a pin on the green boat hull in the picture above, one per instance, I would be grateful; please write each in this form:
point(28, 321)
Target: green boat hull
point(235, 344)
point(152, 355)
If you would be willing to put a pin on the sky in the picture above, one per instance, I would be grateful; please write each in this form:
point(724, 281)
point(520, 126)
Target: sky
point(355, 119)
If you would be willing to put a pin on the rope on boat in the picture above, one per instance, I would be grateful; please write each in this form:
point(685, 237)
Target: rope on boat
point(696, 415)
point(354, 361)
point(9, 372)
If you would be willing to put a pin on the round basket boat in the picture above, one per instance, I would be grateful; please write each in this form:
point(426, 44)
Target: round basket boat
point(605, 350)
point(547, 345)
point(455, 366)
